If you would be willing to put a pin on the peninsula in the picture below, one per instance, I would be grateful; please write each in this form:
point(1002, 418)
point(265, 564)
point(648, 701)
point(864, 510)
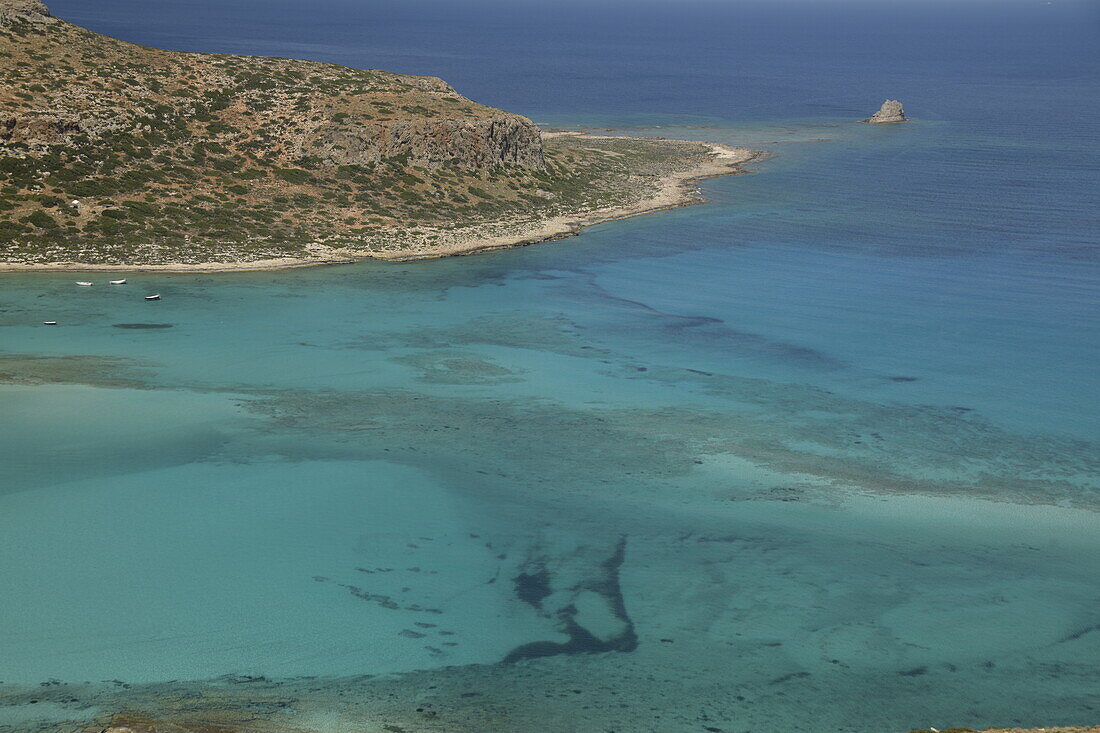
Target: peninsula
point(119, 156)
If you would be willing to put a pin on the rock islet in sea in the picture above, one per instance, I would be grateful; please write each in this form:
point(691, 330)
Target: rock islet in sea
point(890, 112)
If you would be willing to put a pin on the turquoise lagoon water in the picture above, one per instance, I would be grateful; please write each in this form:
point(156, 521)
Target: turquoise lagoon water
point(820, 454)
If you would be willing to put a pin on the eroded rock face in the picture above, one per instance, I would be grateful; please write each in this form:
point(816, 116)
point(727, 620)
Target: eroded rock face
point(37, 129)
point(31, 10)
point(501, 140)
point(890, 112)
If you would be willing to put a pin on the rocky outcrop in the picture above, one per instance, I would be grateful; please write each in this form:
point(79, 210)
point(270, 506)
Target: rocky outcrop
point(37, 129)
point(490, 142)
point(890, 112)
point(28, 10)
point(430, 84)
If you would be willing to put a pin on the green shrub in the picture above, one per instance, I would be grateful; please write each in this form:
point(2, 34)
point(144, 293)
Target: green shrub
point(41, 219)
point(294, 175)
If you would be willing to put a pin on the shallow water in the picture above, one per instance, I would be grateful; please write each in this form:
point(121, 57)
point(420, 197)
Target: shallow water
point(820, 454)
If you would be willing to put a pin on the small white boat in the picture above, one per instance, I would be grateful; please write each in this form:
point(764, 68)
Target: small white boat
point(84, 284)
point(49, 323)
point(118, 282)
point(153, 297)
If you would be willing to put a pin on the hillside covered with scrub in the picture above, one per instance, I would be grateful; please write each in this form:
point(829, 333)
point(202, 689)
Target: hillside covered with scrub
point(113, 153)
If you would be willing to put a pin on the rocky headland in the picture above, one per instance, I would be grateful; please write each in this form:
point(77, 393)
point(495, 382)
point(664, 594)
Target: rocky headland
point(114, 155)
point(890, 112)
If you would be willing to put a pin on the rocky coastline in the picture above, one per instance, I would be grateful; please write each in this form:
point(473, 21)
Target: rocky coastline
point(674, 189)
point(120, 157)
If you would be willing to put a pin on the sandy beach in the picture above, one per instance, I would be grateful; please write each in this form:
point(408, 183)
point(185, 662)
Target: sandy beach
point(674, 190)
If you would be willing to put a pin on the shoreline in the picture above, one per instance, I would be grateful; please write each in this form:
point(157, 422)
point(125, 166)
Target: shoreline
point(674, 190)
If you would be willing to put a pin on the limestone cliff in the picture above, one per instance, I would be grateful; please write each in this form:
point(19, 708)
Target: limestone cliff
point(890, 112)
point(485, 142)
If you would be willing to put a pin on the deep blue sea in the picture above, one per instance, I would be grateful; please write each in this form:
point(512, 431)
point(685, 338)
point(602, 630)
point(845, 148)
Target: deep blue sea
point(821, 454)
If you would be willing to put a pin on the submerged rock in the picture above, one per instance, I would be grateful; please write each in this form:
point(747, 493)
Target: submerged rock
point(891, 111)
point(583, 596)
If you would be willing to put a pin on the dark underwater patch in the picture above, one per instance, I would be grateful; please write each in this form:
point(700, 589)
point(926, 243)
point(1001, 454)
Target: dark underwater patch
point(581, 640)
point(789, 677)
point(532, 587)
point(144, 325)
